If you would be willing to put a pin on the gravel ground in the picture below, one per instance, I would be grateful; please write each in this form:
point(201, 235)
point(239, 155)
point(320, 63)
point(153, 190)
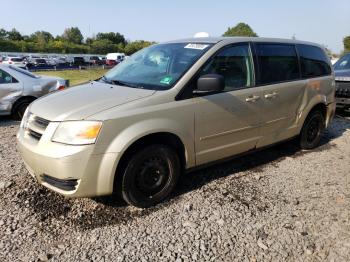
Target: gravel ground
point(279, 204)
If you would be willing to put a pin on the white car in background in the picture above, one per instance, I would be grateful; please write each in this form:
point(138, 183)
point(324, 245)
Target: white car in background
point(15, 61)
point(19, 88)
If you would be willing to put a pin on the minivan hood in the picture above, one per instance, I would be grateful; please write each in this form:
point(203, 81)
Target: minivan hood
point(80, 102)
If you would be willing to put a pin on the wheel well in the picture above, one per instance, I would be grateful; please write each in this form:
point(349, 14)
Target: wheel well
point(163, 138)
point(23, 98)
point(320, 107)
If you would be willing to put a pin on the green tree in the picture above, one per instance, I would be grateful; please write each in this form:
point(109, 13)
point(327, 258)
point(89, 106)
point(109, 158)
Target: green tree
point(41, 39)
point(14, 35)
point(240, 29)
point(346, 42)
point(135, 46)
point(102, 46)
point(3, 34)
point(41, 36)
point(73, 35)
point(115, 38)
point(89, 40)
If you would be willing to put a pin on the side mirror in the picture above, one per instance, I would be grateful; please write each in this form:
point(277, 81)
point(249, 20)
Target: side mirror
point(210, 83)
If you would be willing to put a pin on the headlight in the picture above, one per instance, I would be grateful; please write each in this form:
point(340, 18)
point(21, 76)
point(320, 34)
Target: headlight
point(25, 119)
point(77, 132)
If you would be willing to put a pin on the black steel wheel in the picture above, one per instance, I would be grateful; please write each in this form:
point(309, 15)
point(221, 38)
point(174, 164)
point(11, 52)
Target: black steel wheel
point(20, 108)
point(150, 176)
point(311, 132)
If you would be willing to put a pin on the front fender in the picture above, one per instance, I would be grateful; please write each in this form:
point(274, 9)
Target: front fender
point(129, 135)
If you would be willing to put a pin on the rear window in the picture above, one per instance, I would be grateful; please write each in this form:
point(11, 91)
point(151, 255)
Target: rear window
point(24, 72)
point(277, 63)
point(314, 62)
point(79, 59)
point(40, 61)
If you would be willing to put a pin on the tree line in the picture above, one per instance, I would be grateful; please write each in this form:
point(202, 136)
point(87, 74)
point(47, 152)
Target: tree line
point(72, 41)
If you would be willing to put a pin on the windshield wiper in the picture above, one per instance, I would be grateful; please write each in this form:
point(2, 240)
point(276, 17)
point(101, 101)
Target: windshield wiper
point(104, 79)
point(121, 83)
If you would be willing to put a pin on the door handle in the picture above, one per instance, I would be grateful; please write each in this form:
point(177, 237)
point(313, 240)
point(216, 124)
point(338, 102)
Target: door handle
point(272, 95)
point(252, 98)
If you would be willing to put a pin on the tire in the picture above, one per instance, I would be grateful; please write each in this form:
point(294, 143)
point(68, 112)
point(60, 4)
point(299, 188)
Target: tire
point(20, 107)
point(311, 132)
point(150, 176)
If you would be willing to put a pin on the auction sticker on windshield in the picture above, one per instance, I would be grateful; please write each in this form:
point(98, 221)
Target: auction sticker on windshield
point(196, 46)
point(166, 80)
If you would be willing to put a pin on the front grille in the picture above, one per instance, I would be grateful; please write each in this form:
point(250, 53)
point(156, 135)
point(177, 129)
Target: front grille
point(36, 126)
point(41, 121)
point(34, 134)
point(342, 89)
point(64, 184)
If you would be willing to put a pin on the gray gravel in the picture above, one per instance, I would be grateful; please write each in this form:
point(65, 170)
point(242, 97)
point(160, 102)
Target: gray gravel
point(279, 204)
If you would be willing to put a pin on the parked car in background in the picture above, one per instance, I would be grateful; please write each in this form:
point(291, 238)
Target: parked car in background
point(342, 80)
point(37, 62)
point(114, 58)
point(95, 60)
point(18, 88)
point(61, 61)
point(76, 61)
point(173, 107)
point(15, 61)
point(103, 59)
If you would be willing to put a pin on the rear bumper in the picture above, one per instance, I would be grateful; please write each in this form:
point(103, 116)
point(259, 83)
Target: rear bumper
point(5, 107)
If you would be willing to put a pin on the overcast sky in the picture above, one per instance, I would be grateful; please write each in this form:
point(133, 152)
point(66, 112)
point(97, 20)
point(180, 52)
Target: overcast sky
point(321, 21)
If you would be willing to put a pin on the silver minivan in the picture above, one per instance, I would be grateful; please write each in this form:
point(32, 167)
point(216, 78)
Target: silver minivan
point(175, 106)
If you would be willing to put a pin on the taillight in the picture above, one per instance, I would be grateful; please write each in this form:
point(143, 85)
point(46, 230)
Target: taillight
point(61, 88)
point(10, 62)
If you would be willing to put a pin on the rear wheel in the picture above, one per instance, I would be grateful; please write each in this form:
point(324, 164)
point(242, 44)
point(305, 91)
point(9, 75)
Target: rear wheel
point(20, 107)
point(150, 176)
point(311, 132)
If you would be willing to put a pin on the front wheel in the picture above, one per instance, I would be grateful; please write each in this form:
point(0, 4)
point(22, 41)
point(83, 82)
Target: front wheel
point(311, 132)
point(150, 176)
point(20, 108)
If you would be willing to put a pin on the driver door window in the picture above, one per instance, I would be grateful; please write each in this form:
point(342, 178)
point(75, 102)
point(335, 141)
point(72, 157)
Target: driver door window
point(234, 64)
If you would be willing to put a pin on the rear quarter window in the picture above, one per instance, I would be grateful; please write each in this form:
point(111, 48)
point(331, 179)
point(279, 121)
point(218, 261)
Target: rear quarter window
point(314, 62)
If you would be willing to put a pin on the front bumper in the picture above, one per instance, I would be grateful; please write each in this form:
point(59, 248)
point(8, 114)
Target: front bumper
point(5, 107)
point(342, 94)
point(73, 171)
point(343, 102)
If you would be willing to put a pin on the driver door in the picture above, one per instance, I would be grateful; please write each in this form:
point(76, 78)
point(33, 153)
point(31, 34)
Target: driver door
point(228, 123)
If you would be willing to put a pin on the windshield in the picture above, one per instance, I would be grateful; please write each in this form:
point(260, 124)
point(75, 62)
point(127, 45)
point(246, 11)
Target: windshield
point(157, 67)
point(343, 63)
